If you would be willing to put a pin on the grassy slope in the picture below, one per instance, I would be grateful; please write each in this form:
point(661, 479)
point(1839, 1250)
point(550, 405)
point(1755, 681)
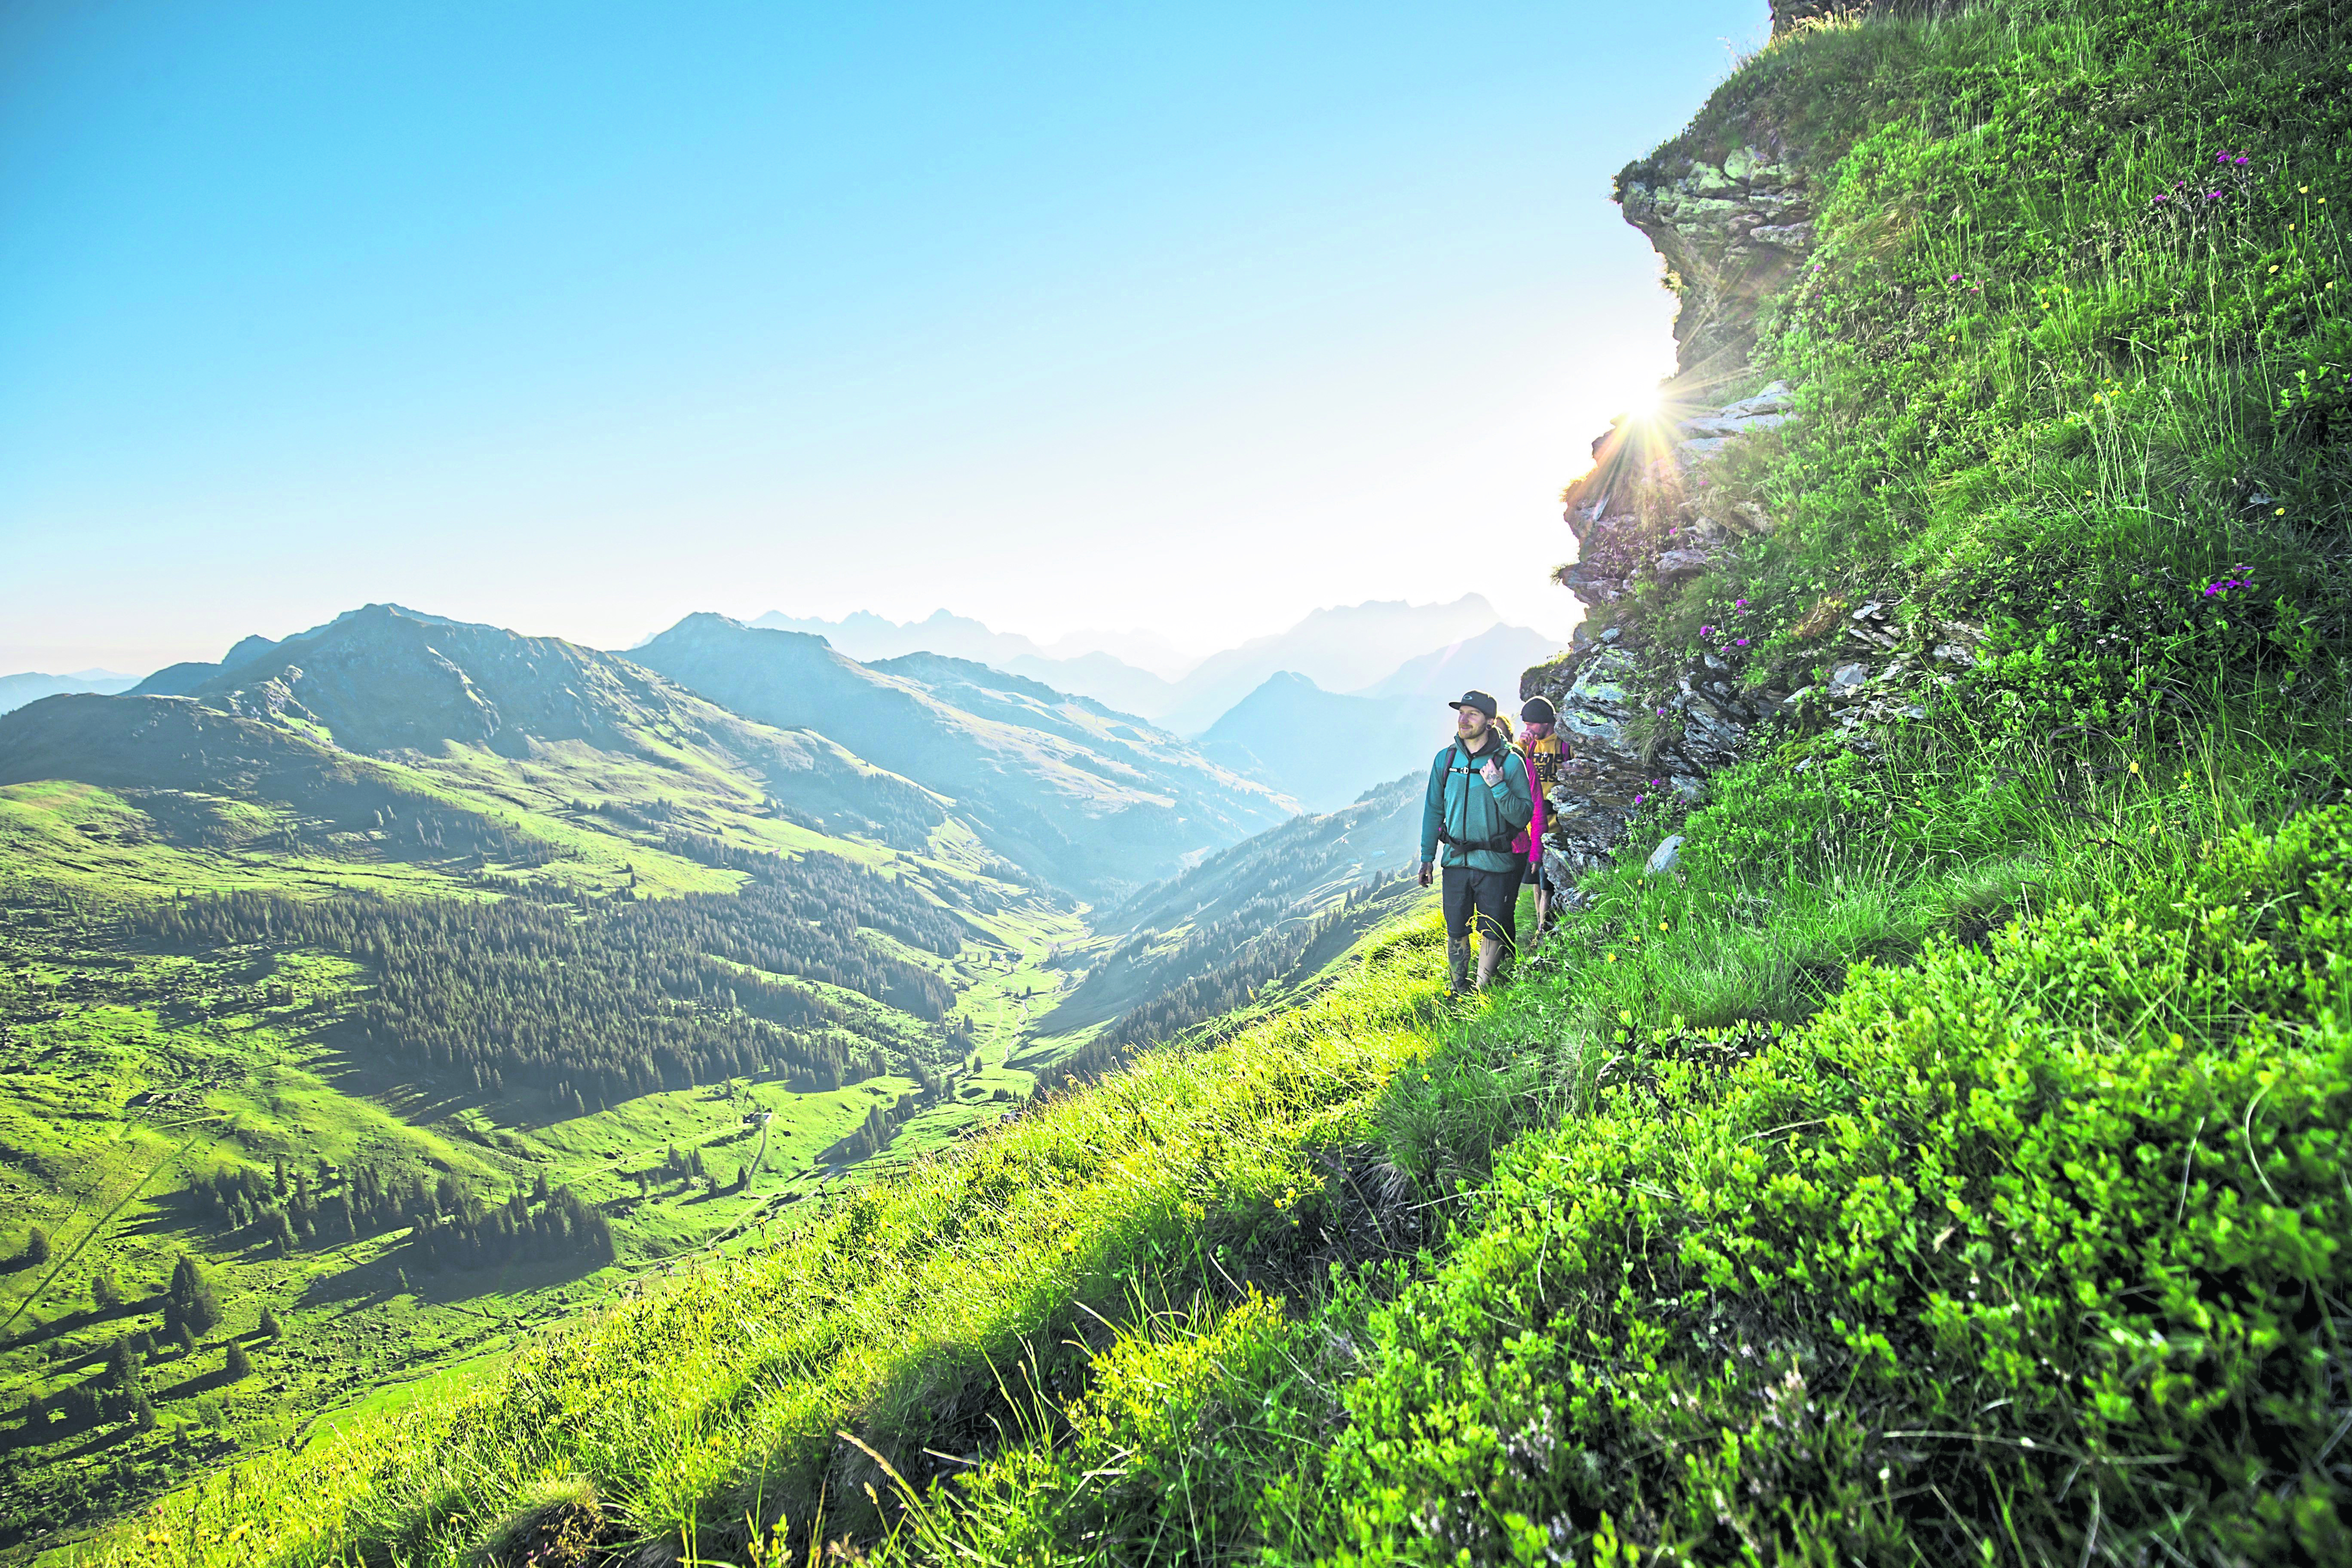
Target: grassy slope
point(2024, 1240)
point(90, 1026)
point(900, 1311)
point(1948, 1166)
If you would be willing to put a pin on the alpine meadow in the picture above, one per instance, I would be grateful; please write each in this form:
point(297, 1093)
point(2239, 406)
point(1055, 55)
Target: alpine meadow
point(475, 1099)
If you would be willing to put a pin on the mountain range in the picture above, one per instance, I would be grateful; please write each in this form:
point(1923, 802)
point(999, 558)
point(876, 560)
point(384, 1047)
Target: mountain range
point(1098, 798)
point(712, 728)
point(16, 691)
point(1353, 648)
point(1063, 757)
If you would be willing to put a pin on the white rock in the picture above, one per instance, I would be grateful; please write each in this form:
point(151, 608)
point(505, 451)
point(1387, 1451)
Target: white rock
point(1663, 858)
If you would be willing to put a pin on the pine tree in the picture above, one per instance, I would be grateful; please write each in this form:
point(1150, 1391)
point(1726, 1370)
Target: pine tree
point(104, 1294)
point(236, 1365)
point(190, 1303)
point(36, 1246)
point(271, 1326)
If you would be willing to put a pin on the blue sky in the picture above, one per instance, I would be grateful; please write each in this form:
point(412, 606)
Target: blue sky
point(578, 318)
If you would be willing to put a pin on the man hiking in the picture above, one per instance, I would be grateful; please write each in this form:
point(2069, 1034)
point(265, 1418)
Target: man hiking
point(1477, 803)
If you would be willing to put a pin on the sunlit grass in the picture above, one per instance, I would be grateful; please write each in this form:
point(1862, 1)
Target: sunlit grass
point(718, 1392)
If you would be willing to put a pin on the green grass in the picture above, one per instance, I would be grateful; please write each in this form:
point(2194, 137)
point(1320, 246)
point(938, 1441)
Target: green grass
point(1946, 1165)
point(715, 1394)
point(244, 1045)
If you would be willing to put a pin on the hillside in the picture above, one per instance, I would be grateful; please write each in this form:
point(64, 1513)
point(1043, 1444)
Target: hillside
point(1938, 1157)
point(1067, 789)
point(1248, 932)
point(408, 976)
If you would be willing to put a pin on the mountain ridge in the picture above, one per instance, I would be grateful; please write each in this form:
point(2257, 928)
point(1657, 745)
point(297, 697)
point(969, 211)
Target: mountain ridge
point(1100, 810)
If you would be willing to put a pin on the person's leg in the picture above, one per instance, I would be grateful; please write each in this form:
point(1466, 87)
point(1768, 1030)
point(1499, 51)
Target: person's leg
point(1458, 904)
point(1498, 896)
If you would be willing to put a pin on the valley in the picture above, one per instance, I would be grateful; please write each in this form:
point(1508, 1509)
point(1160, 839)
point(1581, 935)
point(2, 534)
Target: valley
point(409, 984)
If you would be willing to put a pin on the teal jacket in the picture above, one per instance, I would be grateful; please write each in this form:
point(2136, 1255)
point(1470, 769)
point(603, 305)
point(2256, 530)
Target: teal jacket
point(1473, 812)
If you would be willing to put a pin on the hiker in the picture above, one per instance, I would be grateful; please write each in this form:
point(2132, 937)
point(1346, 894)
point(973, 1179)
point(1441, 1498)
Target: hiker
point(1545, 749)
point(1477, 801)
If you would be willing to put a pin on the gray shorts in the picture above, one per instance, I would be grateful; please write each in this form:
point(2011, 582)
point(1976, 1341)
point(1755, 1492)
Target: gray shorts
point(1491, 897)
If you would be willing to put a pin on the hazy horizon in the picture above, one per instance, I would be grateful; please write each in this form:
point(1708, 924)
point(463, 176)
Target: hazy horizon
point(1057, 318)
point(1071, 643)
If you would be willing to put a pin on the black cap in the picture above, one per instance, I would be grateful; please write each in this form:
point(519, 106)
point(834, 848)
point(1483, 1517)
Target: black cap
point(1539, 710)
point(1478, 700)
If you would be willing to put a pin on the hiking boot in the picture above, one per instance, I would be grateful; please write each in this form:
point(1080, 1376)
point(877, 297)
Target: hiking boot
point(1457, 963)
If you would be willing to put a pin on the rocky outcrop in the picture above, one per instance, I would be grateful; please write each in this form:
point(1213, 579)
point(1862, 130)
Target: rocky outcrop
point(1732, 228)
point(1630, 738)
point(1730, 231)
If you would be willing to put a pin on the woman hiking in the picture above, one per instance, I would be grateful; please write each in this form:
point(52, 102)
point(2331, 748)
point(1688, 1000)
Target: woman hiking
point(1545, 749)
point(1476, 804)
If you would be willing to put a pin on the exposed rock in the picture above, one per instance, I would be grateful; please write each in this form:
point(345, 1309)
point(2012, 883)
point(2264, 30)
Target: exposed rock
point(1664, 857)
point(1729, 233)
point(1597, 705)
point(1663, 505)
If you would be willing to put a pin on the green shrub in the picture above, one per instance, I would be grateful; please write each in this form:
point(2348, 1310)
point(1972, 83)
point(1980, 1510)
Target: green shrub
point(2002, 1247)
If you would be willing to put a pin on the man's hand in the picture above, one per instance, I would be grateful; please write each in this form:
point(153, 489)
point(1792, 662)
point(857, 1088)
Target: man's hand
point(1490, 773)
point(1426, 867)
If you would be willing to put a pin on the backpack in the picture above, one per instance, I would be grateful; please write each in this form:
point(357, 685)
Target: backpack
point(1545, 753)
point(1510, 755)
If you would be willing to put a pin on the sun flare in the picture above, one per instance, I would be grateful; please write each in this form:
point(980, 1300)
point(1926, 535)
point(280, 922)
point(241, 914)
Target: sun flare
point(1644, 402)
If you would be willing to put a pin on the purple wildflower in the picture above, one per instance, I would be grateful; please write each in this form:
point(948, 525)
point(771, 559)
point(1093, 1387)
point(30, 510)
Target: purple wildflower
point(1707, 631)
point(2241, 158)
point(1739, 642)
point(2163, 196)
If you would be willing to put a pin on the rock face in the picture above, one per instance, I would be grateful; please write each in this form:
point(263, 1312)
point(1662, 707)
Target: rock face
point(1731, 229)
point(1731, 213)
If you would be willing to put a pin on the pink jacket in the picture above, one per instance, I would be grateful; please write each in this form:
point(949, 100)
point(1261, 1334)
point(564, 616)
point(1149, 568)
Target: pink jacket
point(1531, 840)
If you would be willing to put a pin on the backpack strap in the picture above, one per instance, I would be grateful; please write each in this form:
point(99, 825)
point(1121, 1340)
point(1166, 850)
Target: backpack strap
point(1446, 829)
